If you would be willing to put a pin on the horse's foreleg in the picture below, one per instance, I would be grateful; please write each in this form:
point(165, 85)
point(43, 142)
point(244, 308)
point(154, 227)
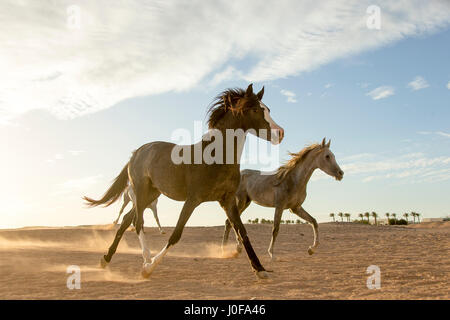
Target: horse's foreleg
point(275, 229)
point(185, 214)
point(229, 205)
point(242, 205)
point(306, 216)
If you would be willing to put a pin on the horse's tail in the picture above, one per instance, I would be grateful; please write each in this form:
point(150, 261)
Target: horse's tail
point(113, 193)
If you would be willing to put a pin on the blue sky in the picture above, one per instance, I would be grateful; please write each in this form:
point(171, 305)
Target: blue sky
point(384, 102)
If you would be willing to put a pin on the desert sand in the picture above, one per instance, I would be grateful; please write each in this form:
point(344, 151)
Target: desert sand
point(414, 263)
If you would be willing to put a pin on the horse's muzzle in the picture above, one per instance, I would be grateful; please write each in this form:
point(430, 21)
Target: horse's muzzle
point(277, 135)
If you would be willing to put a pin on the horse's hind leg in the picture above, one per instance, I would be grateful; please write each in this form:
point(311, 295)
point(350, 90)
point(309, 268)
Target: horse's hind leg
point(306, 216)
point(126, 200)
point(185, 214)
point(112, 249)
point(153, 207)
point(275, 229)
point(144, 194)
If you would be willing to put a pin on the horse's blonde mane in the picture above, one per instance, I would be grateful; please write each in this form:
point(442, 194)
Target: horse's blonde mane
point(296, 159)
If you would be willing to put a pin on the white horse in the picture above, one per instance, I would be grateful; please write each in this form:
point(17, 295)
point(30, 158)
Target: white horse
point(128, 195)
point(286, 189)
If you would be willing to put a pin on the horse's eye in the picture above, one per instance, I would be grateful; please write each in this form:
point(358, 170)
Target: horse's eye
point(327, 156)
point(255, 110)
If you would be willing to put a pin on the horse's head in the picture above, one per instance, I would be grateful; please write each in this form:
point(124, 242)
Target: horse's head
point(257, 117)
point(244, 109)
point(326, 162)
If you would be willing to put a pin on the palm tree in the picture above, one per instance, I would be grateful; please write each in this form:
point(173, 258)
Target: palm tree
point(387, 216)
point(406, 215)
point(418, 217)
point(347, 215)
point(375, 215)
point(332, 215)
point(341, 215)
point(367, 215)
point(361, 216)
point(395, 216)
point(413, 214)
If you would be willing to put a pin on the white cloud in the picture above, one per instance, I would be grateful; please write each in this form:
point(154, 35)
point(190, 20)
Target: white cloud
point(418, 83)
point(444, 134)
point(417, 166)
point(290, 95)
point(55, 157)
point(357, 156)
point(381, 92)
point(227, 74)
point(440, 133)
point(76, 152)
point(138, 47)
point(329, 85)
point(448, 85)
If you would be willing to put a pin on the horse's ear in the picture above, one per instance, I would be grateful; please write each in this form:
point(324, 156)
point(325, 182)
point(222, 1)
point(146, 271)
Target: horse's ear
point(323, 142)
point(328, 144)
point(249, 91)
point(260, 94)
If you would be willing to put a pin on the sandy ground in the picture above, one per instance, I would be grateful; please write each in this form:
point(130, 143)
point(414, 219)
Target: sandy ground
point(414, 263)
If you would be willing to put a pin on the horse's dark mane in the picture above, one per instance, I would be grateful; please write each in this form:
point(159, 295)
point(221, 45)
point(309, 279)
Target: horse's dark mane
point(222, 103)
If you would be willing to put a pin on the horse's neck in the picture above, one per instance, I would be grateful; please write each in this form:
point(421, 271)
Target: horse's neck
point(304, 170)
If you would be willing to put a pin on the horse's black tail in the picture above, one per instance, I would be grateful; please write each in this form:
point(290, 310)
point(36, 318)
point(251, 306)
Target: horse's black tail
point(114, 192)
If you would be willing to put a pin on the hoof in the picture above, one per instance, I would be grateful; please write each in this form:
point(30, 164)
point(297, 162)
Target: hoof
point(162, 232)
point(147, 270)
point(310, 251)
point(145, 274)
point(103, 263)
point(238, 249)
point(262, 275)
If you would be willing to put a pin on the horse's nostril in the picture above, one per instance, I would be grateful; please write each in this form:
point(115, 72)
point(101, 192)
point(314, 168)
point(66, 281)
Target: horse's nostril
point(341, 172)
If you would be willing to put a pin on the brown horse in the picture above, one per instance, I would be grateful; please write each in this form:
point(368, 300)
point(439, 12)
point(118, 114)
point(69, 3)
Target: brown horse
point(205, 171)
